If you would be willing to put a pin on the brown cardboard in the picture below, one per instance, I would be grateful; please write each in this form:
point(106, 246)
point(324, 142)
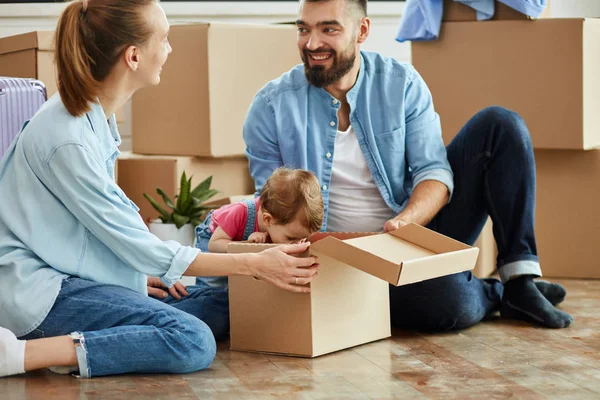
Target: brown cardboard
point(567, 221)
point(207, 85)
point(407, 255)
point(459, 12)
point(349, 300)
point(488, 252)
point(143, 174)
point(222, 201)
point(546, 70)
point(30, 55)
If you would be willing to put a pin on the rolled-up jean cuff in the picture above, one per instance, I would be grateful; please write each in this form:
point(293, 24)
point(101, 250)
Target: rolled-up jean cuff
point(517, 268)
point(81, 351)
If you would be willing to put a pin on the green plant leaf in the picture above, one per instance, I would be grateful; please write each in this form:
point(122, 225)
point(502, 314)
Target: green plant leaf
point(195, 221)
point(184, 191)
point(165, 198)
point(188, 203)
point(202, 187)
point(164, 215)
point(205, 196)
point(180, 220)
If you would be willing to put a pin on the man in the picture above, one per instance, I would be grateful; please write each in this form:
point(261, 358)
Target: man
point(366, 126)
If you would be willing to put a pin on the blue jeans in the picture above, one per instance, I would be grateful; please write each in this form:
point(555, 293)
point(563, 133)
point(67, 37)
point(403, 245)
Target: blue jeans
point(494, 175)
point(124, 331)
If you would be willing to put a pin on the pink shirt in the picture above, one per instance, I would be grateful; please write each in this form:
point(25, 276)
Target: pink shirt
point(232, 219)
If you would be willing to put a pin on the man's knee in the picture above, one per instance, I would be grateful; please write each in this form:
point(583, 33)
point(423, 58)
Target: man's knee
point(438, 305)
point(190, 344)
point(512, 127)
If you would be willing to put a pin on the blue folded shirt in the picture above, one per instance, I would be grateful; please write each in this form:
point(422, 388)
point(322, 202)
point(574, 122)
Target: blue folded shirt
point(422, 19)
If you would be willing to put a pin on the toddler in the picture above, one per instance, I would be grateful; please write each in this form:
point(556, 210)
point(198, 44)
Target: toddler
point(288, 210)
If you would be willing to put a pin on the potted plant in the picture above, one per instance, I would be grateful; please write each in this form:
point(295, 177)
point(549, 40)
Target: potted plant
point(185, 211)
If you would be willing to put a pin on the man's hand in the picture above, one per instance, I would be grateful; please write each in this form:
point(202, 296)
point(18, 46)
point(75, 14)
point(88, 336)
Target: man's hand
point(393, 224)
point(158, 289)
point(258, 237)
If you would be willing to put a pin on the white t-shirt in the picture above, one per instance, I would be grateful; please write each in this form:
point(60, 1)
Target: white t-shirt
point(355, 203)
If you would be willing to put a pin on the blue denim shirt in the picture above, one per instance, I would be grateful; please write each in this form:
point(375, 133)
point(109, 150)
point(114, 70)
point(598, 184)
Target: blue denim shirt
point(62, 214)
point(293, 123)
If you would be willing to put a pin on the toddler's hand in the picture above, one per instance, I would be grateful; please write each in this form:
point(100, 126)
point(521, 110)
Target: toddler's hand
point(258, 237)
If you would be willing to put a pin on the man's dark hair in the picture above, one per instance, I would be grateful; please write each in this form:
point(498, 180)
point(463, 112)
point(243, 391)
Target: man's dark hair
point(359, 5)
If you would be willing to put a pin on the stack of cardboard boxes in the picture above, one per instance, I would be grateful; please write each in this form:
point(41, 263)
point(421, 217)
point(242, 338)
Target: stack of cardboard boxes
point(193, 119)
point(547, 70)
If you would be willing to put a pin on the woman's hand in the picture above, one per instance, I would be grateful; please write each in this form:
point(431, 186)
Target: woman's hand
point(278, 266)
point(158, 289)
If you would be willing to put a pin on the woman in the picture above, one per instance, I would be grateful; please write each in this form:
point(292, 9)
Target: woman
point(74, 252)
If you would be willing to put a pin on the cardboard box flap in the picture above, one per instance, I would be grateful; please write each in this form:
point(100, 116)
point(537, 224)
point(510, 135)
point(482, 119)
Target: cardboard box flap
point(415, 250)
point(42, 40)
point(438, 265)
point(428, 239)
point(315, 237)
point(358, 258)
point(245, 247)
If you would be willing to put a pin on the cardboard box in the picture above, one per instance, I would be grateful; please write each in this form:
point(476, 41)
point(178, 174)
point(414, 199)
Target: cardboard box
point(349, 300)
point(545, 70)
point(207, 85)
point(223, 201)
point(567, 219)
point(459, 12)
point(143, 174)
point(31, 55)
point(488, 252)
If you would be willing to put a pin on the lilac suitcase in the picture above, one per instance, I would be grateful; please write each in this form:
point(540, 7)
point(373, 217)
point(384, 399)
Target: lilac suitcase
point(20, 98)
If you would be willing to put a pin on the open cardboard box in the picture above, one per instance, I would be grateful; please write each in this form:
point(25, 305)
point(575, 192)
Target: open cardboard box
point(349, 300)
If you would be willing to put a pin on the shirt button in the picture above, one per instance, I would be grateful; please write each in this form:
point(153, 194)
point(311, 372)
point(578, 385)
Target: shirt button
point(324, 187)
point(332, 123)
point(328, 155)
point(335, 101)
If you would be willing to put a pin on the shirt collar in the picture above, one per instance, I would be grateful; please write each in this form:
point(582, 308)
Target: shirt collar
point(106, 131)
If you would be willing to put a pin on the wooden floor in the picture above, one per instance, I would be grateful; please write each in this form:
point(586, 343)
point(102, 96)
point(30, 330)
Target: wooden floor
point(496, 359)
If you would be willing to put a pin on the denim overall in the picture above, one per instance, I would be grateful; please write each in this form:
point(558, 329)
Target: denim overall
point(203, 235)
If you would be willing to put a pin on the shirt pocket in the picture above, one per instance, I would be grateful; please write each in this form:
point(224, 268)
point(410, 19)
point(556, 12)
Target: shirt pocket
point(392, 141)
point(126, 200)
point(391, 149)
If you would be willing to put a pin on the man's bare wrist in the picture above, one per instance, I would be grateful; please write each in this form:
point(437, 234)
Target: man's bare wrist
point(407, 218)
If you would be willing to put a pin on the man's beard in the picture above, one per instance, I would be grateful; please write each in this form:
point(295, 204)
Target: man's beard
point(318, 76)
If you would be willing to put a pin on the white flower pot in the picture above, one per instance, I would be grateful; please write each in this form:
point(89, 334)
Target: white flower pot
point(185, 235)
